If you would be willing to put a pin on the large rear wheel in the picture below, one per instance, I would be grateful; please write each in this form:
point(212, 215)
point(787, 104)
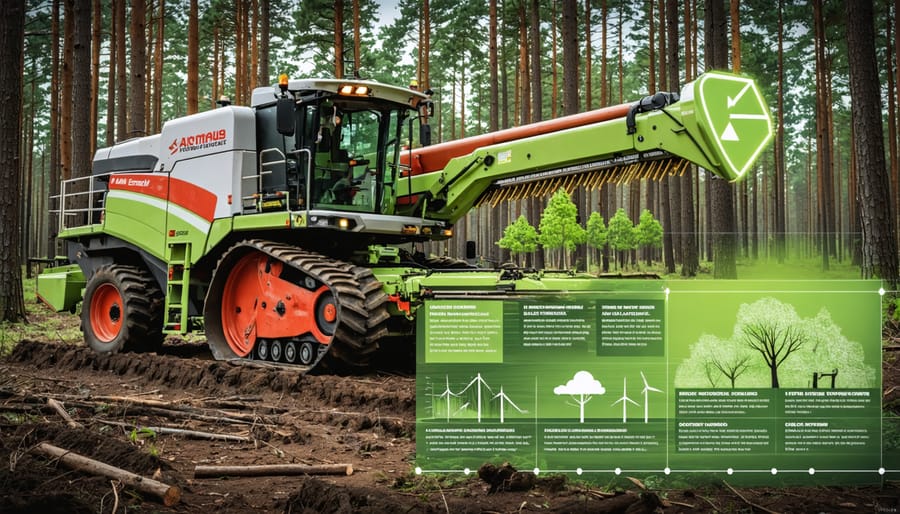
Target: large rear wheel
point(122, 310)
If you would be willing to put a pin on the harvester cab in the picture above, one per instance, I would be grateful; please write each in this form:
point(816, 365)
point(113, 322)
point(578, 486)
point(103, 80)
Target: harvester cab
point(329, 145)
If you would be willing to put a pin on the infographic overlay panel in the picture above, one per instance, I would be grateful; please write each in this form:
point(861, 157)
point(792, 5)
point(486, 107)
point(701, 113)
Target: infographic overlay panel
point(760, 382)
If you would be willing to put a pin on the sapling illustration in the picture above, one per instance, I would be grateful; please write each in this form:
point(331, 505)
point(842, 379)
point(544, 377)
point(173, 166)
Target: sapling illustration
point(559, 228)
point(620, 235)
point(595, 232)
point(648, 233)
point(582, 387)
point(625, 400)
point(519, 238)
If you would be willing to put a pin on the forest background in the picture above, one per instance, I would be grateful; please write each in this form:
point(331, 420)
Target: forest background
point(84, 74)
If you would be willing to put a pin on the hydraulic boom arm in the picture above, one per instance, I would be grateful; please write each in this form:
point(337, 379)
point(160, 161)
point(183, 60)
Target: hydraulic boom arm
point(720, 122)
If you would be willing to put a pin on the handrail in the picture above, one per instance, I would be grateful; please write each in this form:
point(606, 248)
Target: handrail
point(70, 208)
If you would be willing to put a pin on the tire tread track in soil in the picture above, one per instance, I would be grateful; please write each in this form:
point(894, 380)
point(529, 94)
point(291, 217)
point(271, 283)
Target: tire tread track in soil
point(367, 421)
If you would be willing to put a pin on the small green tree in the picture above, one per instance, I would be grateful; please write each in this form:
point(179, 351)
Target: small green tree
point(559, 228)
point(648, 233)
point(595, 235)
point(519, 238)
point(621, 234)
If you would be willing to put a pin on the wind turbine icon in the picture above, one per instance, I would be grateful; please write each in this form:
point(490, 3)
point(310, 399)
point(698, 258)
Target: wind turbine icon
point(477, 382)
point(503, 399)
point(447, 394)
point(645, 392)
point(625, 399)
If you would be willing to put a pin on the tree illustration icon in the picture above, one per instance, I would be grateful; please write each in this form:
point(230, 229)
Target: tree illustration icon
point(581, 388)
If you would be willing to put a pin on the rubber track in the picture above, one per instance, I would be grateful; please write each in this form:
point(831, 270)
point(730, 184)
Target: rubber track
point(362, 303)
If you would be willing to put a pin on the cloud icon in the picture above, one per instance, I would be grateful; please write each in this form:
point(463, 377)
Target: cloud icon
point(582, 383)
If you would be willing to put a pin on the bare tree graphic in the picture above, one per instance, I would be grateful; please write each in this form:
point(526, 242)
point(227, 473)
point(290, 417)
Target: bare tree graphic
point(774, 342)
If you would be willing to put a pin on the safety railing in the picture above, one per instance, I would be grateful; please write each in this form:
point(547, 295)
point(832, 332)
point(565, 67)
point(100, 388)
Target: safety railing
point(80, 201)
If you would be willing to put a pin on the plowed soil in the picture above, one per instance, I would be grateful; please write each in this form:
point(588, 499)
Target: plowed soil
point(285, 418)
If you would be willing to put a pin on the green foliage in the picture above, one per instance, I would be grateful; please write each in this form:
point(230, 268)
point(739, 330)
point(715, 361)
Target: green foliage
point(42, 324)
point(649, 231)
point(621, 235)
point(596, 232)
point(139, 435)
point(822, 348)
point(519, 237)
point(559, 228)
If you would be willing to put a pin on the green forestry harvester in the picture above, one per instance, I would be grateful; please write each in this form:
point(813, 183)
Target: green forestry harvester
point(285, 231)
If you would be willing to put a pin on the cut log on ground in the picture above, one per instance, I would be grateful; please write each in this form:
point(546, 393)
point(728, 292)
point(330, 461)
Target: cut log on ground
point(272, 470)
point(169, 494)
point(61, 410)
point(191, 434)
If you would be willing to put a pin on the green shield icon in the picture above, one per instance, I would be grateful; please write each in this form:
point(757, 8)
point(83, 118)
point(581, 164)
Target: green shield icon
point(737, 119)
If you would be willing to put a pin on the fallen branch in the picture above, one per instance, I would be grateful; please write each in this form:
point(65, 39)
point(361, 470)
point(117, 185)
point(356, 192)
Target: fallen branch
point(58, 407)
point(198, 413)
point(748, 502)
point(272, 470)
point(170, 495)
point(191, 434)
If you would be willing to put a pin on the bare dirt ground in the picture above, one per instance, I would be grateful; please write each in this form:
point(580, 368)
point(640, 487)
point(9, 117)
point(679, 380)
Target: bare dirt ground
point(365, 421)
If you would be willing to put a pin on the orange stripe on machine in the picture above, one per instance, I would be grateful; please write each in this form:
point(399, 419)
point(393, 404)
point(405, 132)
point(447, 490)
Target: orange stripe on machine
point(183, 194)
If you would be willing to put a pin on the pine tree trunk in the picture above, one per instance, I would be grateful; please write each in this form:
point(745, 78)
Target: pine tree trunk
point(193, 59)
point(138, 65)
point(504, 89)
point(525, 83)
point(721, 197)
point(570, 56)
point(604, 82)
point(263, 75)
point(494, 85)
point(217, 62)
point(823, 136)
point(158, 68)
point(12, 33)
point(554, 65)
point(339, 39)
point(111, 80)
point(879, 248)
point(81, 90)
point(588, 87)
point(148, 66)
point(537, 96)
point(96, 39)
point(780, 219)
point(121, 72)
point(54, 129)
point(65, 129)
point(254, 46)
point(690, 261)
point(651, 48)
point(896, 168)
